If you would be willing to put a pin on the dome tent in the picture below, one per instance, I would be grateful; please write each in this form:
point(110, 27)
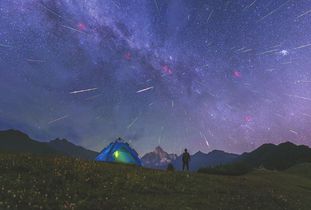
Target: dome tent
point(119, 152)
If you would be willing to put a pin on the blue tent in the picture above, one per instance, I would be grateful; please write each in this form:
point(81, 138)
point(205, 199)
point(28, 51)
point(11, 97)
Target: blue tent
point(119, 152)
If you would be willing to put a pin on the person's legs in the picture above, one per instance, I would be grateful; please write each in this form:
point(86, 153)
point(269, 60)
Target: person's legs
point(183, 165)
point(187, 165)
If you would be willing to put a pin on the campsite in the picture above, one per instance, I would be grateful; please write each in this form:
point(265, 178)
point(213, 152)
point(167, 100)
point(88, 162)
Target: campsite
point(116, 178)
point(155, 104)
point(120, 152)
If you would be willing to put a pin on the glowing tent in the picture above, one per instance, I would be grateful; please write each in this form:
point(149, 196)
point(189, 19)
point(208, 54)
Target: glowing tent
point(119, 152)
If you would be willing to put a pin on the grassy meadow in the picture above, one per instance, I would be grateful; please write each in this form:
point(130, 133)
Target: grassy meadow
point(42, 182)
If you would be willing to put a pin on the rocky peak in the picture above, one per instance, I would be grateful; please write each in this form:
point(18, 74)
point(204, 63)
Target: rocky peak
point(158, 158)
point(159, 150)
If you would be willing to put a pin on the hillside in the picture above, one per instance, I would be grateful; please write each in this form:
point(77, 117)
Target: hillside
point(13, 141)
point(303, 169)
point(29, 182)
point(277, 157)
point(18, 142)
point(69, 149)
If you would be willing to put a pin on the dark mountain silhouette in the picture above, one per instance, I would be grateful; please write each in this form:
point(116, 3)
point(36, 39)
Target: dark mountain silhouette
point(277, 157)
point(69, 149)
point(268, 156)
point(200, 160)
point(13, 141)
point(18, 142)
point(158, 159)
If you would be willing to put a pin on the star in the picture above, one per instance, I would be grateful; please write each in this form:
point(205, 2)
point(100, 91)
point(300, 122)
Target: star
point(284, 52)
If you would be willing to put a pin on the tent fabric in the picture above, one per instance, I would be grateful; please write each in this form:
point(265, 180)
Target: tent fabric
point(119, 152)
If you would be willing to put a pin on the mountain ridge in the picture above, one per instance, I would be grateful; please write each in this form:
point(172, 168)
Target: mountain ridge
point(201, 159)
point(277, 157)
point(15, 141)
point(269, 156)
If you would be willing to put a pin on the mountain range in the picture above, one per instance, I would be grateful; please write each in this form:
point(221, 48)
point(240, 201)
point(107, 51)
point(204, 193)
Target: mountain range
point(159, 159)
point(277, 157)
point(201, 160)
point(269, 156)
point(19, 142)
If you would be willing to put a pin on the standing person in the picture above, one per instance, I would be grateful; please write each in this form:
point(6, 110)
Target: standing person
point(185, 160)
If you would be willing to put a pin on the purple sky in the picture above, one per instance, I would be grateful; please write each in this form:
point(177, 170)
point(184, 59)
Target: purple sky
point(205, 75)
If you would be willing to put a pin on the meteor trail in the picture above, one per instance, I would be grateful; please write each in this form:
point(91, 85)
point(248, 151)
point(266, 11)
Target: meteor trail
point(303, 14)
point(50, 10)
point(300, 97)
point(132, 123)
point(35, 61)
point(58, 119)
point(82, 91)
point(205, 139)
point(207, 144)
point(157, 5)
point(247, 50)
point(302, 46)
point(249, 6)
point(305, 114)
point(272, 12)
point(4, 45)
point(73, 29)
point(146, 89)
point(209, 17)
point(294, 132)
point(268, 52)
point(116, 4)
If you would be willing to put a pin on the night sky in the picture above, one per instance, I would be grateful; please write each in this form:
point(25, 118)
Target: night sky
point(225, 74)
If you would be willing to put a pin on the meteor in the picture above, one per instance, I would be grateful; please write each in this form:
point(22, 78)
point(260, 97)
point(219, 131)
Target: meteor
point(157, 5)
point(247, 50)
point(273, 11)
point(132, 123)
point(305, 13)
point(249, 6)
point(82, 91)
point(51, 11)
point(300, 97)
point(294, 132)
point(207, 144)
point(58, 119)
point(146, 89)
point(35, 60)
point(268, 52)
point(305, 114)
point(209, 17)
point(5, 45)
point(302, 46)
point(73, 29)
point(116, 4)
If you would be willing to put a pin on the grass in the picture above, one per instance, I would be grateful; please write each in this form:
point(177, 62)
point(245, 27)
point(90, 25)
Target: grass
point(233, 169)
point(303, 169)
point(33, 182)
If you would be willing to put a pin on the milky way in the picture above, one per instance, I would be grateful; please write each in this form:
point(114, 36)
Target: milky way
point(226, 74)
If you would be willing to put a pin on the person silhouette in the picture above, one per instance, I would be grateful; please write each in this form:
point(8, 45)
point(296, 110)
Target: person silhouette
point(185, 160)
